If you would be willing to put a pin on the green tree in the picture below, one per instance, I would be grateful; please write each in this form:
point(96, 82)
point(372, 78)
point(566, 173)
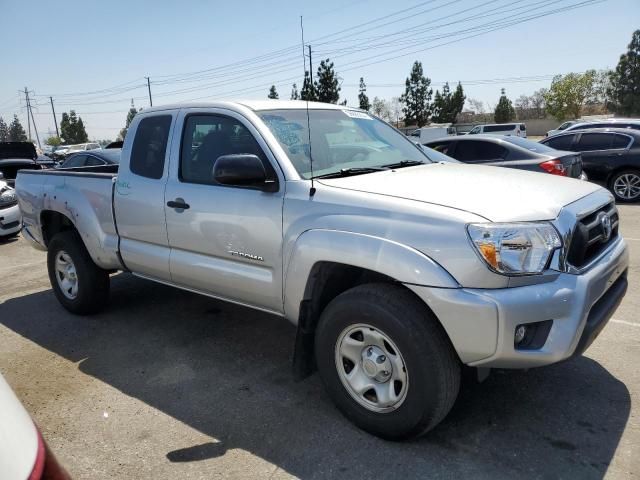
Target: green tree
point(72, 128)
point(625, 80)
point(65, 129)
point(273, 94)
point(417, 97)
point(130, 116)
point(294, 92)
point(4, 131)
point(16, 131)
point(53, 141)
point(81, 132)
point(326, 84)
point(308, 91)
point(568, 93)
point(380, 108)
point(504, 111)
point(363, 100)
point(457, 103)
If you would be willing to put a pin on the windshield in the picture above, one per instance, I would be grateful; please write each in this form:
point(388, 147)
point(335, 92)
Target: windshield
point(340, 140)
point(529, 145)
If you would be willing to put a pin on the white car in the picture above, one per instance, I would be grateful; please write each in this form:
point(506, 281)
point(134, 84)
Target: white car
point(563, 127)
point(23, 452)
point(10, 217)
point(426, 134)
point(508, 129)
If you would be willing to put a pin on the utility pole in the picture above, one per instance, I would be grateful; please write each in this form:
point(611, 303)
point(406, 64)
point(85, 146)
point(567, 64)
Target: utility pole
point(30, 112)
point(310, 67)
point(55, 121)
point(149, 89)
point(26, 97)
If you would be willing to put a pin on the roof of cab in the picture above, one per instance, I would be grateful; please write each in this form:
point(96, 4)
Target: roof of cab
point(255, 105)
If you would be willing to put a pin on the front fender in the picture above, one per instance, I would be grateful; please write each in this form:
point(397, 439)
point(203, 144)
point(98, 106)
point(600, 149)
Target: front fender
point(395, 260)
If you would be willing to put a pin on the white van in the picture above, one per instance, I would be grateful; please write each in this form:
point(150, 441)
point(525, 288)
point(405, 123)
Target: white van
point(426, 134)
point(509, 129)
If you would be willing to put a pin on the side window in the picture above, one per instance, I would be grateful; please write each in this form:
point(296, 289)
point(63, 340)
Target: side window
point(93, 161)
point(476, 151)
point(620, 141)
point(75, 161)
point(594, 141)
point(561, 142)
point(150, 146)
point(442, 147)
point(206, 138)
point(475, 130)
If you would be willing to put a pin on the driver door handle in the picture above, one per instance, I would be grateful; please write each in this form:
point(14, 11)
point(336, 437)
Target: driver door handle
point(178, 204)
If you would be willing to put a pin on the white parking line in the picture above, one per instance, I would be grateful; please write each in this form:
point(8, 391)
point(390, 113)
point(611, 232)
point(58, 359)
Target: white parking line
point(624, 322)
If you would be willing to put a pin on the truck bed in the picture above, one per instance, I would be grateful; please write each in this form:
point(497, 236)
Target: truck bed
point(84, 196)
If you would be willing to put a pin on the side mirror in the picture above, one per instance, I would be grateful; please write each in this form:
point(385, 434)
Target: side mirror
point(242, 170)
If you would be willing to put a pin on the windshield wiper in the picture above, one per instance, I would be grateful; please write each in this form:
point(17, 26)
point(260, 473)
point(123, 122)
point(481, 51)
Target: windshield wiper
point(404, 163)
point(348, 172)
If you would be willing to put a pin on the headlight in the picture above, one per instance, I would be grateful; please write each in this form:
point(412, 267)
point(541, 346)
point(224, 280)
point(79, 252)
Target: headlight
point(515, 248)
point(8, 197)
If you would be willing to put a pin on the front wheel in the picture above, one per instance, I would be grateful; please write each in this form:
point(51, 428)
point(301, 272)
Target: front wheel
point(625, 185)
point(79, 284)
point(386, 361)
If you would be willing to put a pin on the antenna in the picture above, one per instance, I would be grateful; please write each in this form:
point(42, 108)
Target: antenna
point(312, 190)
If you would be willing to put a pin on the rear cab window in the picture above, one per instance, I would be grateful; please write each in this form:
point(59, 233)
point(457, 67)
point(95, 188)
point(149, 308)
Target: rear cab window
point(150, 146)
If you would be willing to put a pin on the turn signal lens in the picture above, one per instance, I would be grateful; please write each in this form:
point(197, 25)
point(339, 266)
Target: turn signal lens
point(489, 253)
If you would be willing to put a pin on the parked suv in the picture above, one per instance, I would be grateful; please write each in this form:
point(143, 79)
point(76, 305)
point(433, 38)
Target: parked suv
point(609, 155)
point(516, 129)
point(629, 123)
point(562, 127)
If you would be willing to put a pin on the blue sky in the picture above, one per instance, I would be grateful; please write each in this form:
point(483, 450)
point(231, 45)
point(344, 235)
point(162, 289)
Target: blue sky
point(80, 47)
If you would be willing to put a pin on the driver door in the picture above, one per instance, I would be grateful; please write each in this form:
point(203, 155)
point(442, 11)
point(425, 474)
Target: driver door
point(226, 241)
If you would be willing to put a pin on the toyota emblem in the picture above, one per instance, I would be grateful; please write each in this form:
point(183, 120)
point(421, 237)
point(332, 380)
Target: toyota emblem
point(605, 222)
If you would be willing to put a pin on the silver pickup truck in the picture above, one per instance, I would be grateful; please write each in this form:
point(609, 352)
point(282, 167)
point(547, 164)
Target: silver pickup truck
point(397, 270)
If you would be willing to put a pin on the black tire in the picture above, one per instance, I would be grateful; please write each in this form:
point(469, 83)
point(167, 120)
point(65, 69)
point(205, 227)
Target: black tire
point(432, 365)
point(612, 182)
point(93, 282)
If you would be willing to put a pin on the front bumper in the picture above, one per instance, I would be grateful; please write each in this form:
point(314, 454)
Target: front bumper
point(10, 220)
point(481, 323)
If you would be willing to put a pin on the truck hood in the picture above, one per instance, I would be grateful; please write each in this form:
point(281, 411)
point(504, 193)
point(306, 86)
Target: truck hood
point(495, 193)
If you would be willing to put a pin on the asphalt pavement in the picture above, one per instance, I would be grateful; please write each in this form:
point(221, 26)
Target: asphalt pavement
point(169, 384)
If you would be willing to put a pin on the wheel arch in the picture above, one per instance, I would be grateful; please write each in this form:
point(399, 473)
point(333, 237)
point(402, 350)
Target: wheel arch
point(324, 264)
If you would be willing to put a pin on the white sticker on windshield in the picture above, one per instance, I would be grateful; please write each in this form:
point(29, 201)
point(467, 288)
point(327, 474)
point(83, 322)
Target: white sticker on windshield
point(356, 114)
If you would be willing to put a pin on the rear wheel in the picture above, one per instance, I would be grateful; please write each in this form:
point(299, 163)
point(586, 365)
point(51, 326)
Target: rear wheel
point(386, 362)
point(625, 185)
point(79, 284)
